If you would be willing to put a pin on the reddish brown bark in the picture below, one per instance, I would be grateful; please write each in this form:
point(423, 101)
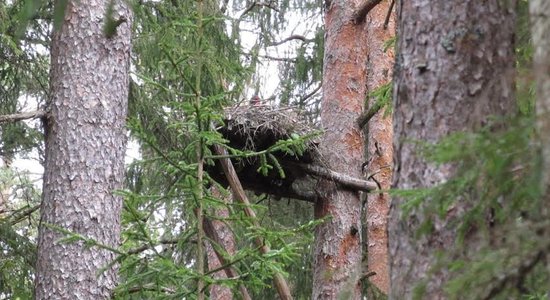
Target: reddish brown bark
point(379, 145)
point(227, 241)
point(337, 257)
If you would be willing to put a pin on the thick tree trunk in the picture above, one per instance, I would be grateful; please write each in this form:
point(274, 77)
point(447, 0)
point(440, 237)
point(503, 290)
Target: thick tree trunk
point(379, 145)
point(455, 68)
point(337, 257)
point(85, 147)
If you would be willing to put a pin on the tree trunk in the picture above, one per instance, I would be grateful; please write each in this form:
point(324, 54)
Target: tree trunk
point(455, 68)
point(337, 254)
point(379, 145)
point(85, 147)
point(227, 241)
point(540, 29)
point(540, 20)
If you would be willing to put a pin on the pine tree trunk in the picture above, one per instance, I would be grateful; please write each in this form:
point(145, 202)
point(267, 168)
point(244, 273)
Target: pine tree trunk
point(85, 147)
point(337, 254)
point(379, 145)
point(455, 68)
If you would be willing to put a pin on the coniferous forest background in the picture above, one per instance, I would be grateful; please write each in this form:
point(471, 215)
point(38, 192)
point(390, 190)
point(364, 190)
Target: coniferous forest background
point(277, 149)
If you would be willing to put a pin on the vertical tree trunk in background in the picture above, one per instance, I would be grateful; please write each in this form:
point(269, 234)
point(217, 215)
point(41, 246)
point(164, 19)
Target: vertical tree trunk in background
point(540, 20)
point(85, 147)
point(454, 69)
point(540, 29)
point(227, 241)
point(337, 254)
point(379, 145)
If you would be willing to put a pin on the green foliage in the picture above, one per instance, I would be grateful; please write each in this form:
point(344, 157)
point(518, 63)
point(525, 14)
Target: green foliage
point(382, 100)
point(497, 180)
point(188, 64)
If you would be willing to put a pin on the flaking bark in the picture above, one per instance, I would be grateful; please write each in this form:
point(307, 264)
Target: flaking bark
point(379, 145)
point(337, 250)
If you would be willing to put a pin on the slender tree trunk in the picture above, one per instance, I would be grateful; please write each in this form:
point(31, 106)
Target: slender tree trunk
point(540, 19)
point(337, 254)
point(540, 29)
point(379, 144)
point(218, 292)
point(454, 69)
point(85, 146)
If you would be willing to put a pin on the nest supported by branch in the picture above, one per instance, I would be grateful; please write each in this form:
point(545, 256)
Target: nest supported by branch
point(259, 128)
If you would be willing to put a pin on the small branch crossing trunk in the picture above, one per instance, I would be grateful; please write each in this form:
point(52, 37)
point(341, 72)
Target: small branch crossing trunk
point(337, 252)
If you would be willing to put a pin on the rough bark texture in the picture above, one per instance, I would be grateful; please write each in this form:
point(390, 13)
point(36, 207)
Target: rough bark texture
point(337, 257)
point(227, 241)
point(379, 145)
point(540, 29)
point(85, 146)
point(454, 69)
point(540, 19)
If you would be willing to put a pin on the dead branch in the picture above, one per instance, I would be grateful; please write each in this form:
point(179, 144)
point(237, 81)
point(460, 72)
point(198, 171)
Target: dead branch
point(304, 98)
point(388, 15)
point(240, 195)
point(27, 212)
point(291, 38)
point(345, 180)
point(215, 240)
point(361, 13)
point(22, 116)
point(254, 4)
point(149, 246)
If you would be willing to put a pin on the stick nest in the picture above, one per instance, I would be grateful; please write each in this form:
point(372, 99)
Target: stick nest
point(258, 127)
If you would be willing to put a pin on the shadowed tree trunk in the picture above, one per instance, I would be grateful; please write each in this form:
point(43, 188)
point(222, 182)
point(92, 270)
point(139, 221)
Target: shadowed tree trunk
point(379, 145)
point(454, 70)
point(337, 254)
point(85, 146)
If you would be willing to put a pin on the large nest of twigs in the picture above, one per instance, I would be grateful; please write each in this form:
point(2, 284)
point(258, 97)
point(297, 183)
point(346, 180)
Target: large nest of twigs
point(260, 128)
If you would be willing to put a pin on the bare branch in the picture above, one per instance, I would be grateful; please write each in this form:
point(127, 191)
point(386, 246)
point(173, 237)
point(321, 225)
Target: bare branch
point(22, 116)
point(388, 15)
point(149, 246)
point(345, 180)
point(254, 4)
point(304, 98)
point(291, 38)
point(361, 13)
point(283, 59)
point(237, 188)
point(27, 212)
